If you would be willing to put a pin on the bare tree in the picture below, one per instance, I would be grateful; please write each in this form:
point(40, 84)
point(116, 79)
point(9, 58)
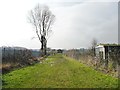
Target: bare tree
point(94, 44)
point(42, 19)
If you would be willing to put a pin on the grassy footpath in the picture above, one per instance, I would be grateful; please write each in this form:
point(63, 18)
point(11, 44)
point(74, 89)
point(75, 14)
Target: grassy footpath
point(58, 72)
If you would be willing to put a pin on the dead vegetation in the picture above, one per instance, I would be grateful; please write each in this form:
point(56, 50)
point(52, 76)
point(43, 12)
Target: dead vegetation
point(99, 64)
point(14, 58)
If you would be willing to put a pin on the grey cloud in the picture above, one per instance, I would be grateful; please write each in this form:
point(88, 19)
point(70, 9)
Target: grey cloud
point(87, 21)
point(69, 4)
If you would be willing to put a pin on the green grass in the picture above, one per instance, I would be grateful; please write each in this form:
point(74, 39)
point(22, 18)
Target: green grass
point(58, 72)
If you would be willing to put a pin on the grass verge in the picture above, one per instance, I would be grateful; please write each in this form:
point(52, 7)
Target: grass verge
point(58, 72)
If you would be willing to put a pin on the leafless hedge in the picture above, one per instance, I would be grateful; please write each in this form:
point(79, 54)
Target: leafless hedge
point(17, 57)
point(10, 55)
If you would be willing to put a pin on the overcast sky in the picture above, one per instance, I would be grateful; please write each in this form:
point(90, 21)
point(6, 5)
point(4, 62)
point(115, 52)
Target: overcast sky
point(77, 23)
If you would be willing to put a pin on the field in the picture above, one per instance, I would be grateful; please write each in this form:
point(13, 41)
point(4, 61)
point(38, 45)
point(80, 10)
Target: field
point(58, 71)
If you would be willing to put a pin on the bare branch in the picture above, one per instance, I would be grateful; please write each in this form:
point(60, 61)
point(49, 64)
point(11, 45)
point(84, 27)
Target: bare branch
point(42, 19)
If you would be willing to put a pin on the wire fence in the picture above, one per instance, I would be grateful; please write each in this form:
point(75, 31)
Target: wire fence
point(18, 55)
point(12, 57)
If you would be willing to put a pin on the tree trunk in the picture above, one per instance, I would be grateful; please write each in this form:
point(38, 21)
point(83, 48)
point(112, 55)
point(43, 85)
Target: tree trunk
point(42, 46)
point(45, 47)
point(42, 49)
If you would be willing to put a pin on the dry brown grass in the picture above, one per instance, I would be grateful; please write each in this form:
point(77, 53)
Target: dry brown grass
point(6, 67)
point(9, 64)
point(95, 63)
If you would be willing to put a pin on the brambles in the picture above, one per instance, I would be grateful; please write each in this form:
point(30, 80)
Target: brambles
point(15, 57)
